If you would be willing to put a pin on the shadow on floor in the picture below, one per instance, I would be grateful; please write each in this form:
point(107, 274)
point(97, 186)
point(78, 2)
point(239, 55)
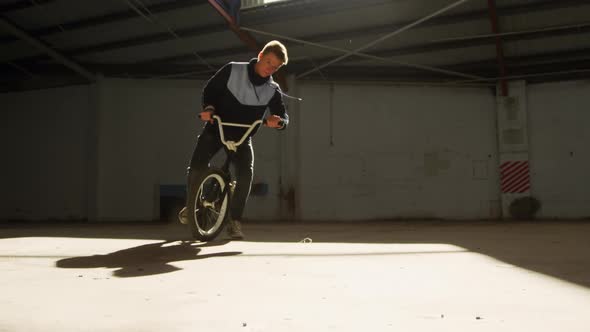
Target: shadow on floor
point(556, 248)
point(148, 259)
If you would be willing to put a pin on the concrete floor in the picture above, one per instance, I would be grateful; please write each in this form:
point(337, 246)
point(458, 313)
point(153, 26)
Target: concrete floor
point(373, 276)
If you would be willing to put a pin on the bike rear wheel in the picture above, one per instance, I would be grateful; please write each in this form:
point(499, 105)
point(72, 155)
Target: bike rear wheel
point(208, 206)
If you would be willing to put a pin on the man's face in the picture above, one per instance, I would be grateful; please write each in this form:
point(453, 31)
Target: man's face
point(267, 64)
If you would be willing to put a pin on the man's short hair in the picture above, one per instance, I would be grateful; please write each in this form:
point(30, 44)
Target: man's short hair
point(278, 49)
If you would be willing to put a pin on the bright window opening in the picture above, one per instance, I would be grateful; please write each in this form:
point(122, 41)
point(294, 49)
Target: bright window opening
point(257, 3)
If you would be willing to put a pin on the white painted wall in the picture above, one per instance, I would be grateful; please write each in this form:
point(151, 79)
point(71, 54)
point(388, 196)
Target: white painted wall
point(359, 152)
point(146, 133)
point(559, 122)
point(44, 141)
point(371, 152)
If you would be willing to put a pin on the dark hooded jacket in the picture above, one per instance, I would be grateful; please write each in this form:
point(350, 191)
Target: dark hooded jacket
point(240, 95)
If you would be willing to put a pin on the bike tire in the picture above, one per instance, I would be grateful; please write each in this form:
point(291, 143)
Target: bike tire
point(209, 206)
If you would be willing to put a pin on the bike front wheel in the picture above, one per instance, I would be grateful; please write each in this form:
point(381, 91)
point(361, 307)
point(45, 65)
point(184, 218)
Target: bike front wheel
point(209, 201)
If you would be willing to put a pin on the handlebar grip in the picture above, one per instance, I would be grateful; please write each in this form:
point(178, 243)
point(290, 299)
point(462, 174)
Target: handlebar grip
point(281, 123)
point(212, 113)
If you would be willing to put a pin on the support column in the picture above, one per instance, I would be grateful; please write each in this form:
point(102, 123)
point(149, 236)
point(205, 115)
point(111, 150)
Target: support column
point(513, 144)
point(289, 172)
point(92, 153)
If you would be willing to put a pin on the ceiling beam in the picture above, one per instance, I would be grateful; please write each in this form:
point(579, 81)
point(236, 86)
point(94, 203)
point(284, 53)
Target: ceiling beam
point(11, 28)
point(421, 48)
point(447, 44)
point(481, 40)
point(108, 18)
point(512, 10)
point(149, 39)
point(427, 47)
point(520, 65)
point(533, 73)
point(135, 41)
point(248, 40)
point(363, 55)
point(562, 58)
point(224, 52)
point(22, 4)
point(351, 33)
point(294, 9)
point(462, 42)
point(244, 36)
point(174, 5)
point(159, 8)
point(387, 36)
point(542, 75)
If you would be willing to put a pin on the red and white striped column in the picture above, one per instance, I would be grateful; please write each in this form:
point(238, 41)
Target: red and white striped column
point(513, 146)
point(514, 177)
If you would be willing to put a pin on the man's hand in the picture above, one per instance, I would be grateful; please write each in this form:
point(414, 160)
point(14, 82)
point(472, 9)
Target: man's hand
point(207, 114)
point(274, 121)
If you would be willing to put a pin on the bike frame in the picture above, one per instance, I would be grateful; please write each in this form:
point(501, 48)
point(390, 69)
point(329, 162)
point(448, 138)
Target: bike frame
point(232, 146)
point(222, 175)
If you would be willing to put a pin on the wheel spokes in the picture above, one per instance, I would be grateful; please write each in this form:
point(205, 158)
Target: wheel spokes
point(210, 205)
point(210, 201)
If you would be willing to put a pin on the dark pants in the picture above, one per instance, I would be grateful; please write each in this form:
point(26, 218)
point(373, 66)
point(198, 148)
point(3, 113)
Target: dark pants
point(208, 144)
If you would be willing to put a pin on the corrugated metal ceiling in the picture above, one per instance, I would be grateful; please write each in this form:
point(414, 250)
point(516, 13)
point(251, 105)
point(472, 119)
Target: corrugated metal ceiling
point(542, 40)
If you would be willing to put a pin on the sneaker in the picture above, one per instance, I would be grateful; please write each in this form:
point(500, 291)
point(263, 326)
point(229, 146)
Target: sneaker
point(183, 216)
point(234, 230)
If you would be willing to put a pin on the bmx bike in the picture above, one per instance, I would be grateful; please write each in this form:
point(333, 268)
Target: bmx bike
point(210, 194)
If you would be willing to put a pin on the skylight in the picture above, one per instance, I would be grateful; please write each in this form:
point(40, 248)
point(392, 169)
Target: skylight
point(257, 3)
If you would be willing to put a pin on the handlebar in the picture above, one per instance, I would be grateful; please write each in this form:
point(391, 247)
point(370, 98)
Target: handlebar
point(231, 145)
point(281, 123)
